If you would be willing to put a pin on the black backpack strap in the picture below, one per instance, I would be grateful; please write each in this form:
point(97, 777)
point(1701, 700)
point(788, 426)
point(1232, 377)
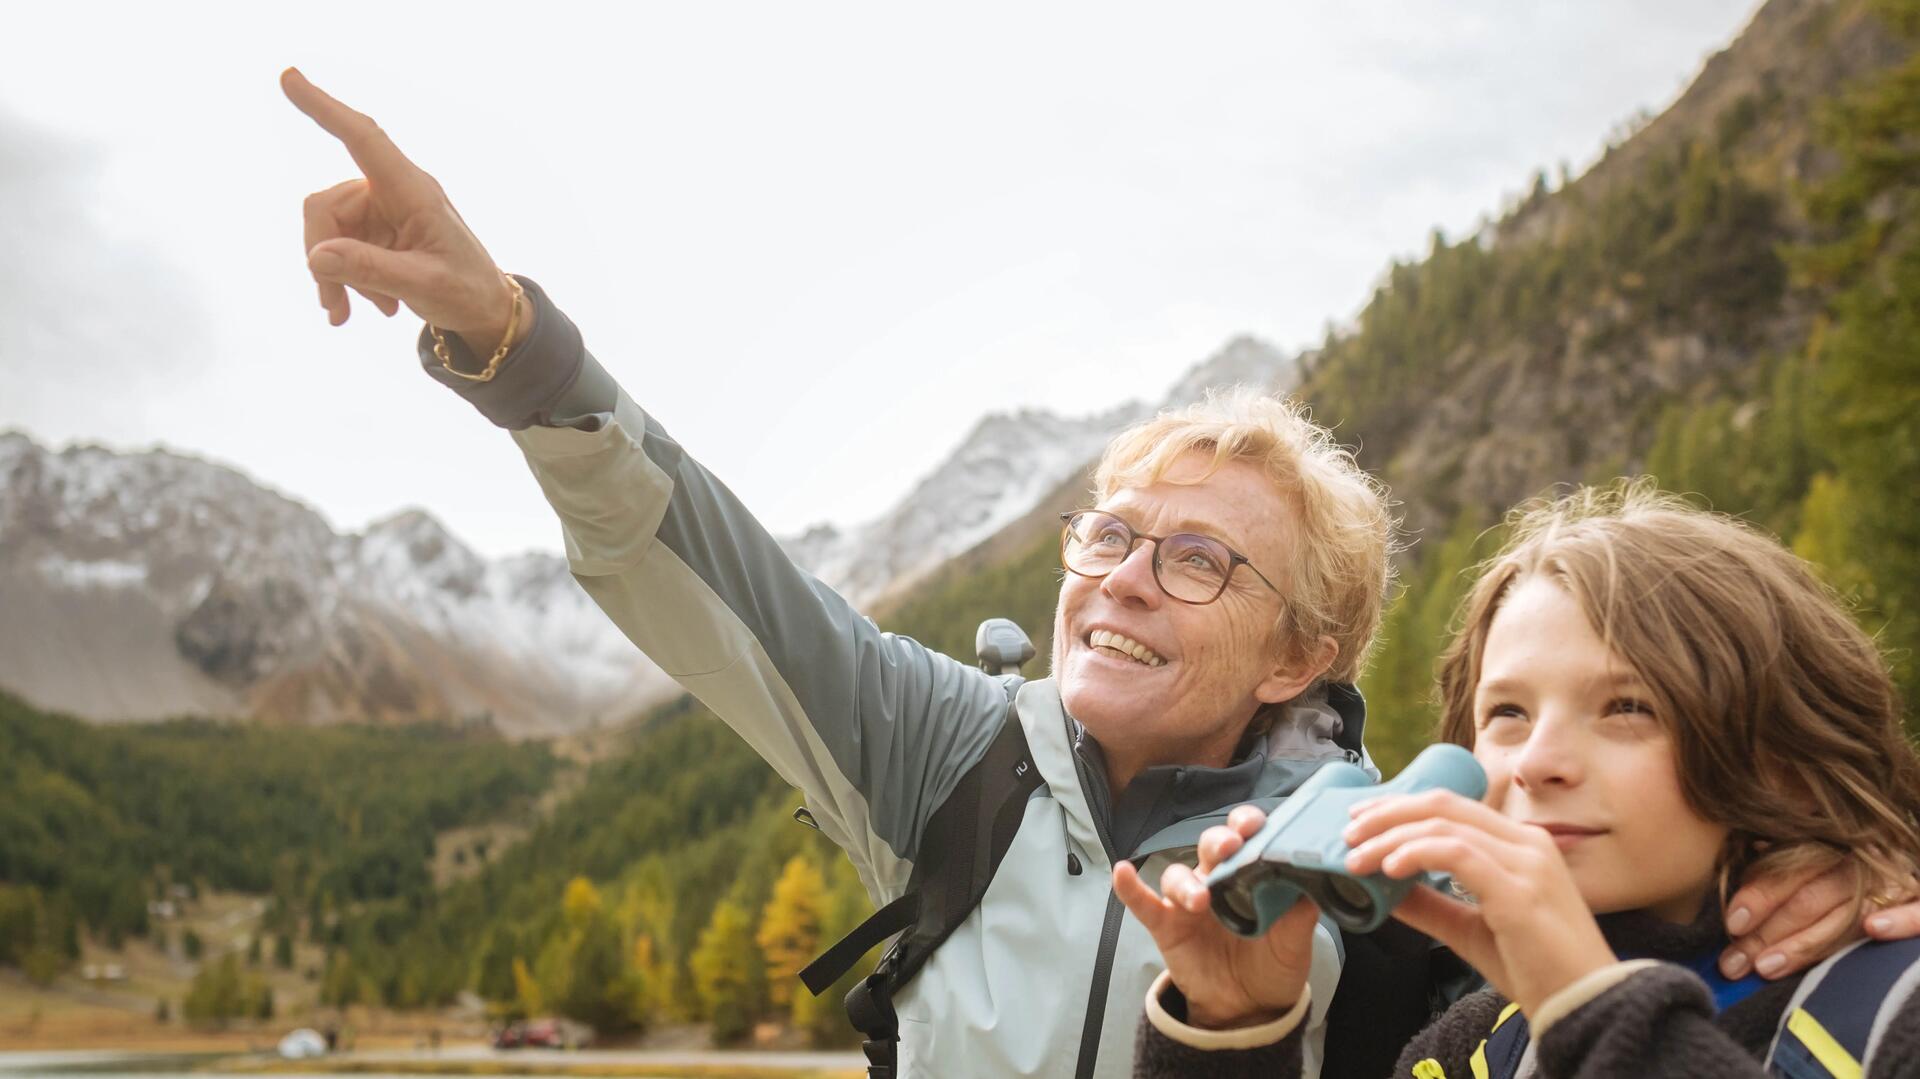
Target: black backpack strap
point(1832, 1026)
point(837, 960)
point(1385, 996)
point(961, 848)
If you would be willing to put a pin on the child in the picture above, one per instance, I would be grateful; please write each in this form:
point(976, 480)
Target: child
point(1665, 701)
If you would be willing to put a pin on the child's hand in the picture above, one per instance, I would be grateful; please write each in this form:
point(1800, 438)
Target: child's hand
point(1228, 980)
point(1531, 933)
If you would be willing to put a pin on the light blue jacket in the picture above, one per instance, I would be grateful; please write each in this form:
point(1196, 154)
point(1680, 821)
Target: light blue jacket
point(1048, 975)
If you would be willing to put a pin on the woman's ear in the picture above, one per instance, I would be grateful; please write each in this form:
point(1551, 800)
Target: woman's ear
point(1293, 674)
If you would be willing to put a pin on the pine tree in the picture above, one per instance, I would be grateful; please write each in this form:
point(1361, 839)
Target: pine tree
point(526, 990)
point(789, 934)
point(728, 973)
point(845, 906)
point(585, 969)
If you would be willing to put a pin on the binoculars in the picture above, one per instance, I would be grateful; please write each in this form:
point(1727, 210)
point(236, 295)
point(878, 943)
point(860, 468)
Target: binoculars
point(1299, 852)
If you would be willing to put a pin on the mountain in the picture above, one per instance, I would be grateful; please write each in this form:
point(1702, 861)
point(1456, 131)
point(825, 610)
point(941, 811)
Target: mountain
point(1008, 465)
point(1546, 347)
point(138, 586)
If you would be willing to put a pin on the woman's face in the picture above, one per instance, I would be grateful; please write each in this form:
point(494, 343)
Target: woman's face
point(1567, 733)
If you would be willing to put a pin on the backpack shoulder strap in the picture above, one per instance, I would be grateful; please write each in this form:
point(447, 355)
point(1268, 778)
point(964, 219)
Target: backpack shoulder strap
point(1843, 1009)
point(1393, 982)
point(962, 847)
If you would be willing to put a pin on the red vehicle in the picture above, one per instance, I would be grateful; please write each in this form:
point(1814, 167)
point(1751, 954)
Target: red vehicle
point(531, 1034)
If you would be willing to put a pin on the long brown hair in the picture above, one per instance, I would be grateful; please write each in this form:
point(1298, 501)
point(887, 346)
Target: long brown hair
point(1786, 725)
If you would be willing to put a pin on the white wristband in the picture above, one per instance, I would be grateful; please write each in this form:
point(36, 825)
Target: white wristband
point(1252, 1037)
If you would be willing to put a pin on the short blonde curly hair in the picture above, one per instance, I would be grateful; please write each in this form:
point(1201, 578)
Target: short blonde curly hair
point(1337, 583)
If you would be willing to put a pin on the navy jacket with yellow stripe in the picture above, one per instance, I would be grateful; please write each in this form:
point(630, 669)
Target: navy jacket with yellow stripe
point(1658, 1023)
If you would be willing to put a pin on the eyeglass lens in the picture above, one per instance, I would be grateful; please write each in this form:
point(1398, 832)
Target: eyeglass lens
point(1190, 568)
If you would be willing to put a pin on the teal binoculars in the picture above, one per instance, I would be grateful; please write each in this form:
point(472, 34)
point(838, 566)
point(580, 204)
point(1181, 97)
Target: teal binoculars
point(1299, 852)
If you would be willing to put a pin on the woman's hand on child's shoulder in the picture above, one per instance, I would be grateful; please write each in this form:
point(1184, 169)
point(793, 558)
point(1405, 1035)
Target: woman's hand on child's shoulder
point(1529, 933)
point(1782, 925)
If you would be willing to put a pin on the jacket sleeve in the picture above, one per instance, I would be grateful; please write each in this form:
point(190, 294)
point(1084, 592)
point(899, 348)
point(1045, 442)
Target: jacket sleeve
point(1166, 1047)
point(872, 727)
point(1446, 1048)
point(1660, 1023)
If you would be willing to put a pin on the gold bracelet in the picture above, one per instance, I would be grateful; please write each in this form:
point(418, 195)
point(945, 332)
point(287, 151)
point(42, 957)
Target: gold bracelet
point(445, 354)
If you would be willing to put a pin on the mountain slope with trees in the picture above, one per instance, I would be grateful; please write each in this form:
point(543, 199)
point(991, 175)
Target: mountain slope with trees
point(98, 822)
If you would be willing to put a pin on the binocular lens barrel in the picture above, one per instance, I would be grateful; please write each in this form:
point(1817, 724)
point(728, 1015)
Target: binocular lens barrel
point(1346, 894)
point(1234, 904)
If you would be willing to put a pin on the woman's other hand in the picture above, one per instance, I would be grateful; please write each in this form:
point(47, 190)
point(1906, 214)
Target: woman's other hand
point(1228, 980)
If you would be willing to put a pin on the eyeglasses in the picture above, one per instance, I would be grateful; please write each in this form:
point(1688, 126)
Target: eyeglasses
point(1190, 568)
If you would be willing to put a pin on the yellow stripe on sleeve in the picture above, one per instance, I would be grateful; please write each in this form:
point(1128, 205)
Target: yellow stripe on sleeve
point(1479, 1061)
point(1429, 1069)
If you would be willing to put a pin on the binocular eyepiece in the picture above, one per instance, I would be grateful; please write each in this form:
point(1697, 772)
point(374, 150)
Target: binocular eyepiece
point(1299, 852)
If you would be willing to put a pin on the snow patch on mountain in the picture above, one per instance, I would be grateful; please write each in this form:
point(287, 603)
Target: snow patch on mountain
point(141, 585)
point(102, 574)
point(999, 472)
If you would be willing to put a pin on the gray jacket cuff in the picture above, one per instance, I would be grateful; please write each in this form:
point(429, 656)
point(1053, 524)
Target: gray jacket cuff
point(548, 380)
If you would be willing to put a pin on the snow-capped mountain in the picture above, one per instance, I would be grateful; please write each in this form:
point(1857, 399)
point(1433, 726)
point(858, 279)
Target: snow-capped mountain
point(144, 585)
point(139, 586)
point(999, 473)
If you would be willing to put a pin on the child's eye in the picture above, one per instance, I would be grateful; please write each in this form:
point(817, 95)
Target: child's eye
point(1628, 706)
point(1499, 712)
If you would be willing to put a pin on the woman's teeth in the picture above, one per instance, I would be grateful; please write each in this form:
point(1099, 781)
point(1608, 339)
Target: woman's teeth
point(1126, 646)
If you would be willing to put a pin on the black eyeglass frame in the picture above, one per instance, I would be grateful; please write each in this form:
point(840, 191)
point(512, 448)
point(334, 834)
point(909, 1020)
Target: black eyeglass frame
point(1234, 558)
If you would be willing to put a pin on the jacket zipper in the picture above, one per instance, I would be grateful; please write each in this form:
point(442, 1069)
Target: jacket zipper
point(1109, 932)
point(1102, 980)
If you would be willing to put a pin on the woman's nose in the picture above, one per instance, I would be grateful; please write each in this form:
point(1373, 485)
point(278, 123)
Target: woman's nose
point(1133, 577)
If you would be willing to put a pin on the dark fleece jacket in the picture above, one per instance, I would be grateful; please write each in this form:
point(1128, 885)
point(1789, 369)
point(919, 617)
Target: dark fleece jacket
point(1657, 1024)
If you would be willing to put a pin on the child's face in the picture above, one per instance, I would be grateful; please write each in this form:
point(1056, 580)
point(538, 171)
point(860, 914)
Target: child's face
point(1567, 734)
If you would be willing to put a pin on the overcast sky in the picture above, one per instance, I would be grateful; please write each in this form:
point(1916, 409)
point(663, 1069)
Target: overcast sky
point(818, 241)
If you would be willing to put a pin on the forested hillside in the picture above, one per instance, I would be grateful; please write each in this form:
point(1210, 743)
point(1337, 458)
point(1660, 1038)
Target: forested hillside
point(676, 885)
point(1729, 302)
point(96, 822)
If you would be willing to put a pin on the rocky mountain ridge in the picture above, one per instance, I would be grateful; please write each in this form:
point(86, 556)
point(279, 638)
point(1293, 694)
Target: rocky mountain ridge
point(1002, 470)
point(139, 586)
point(144, 585)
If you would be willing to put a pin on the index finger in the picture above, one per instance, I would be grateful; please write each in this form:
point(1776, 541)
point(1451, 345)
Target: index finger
point(1217, 844)
point(1757, 901)
point(372, 150)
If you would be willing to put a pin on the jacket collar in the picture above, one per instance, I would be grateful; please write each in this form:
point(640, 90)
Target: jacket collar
point(1169, 805)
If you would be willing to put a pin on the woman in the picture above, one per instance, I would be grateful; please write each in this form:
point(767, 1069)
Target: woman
point(1664, 701)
